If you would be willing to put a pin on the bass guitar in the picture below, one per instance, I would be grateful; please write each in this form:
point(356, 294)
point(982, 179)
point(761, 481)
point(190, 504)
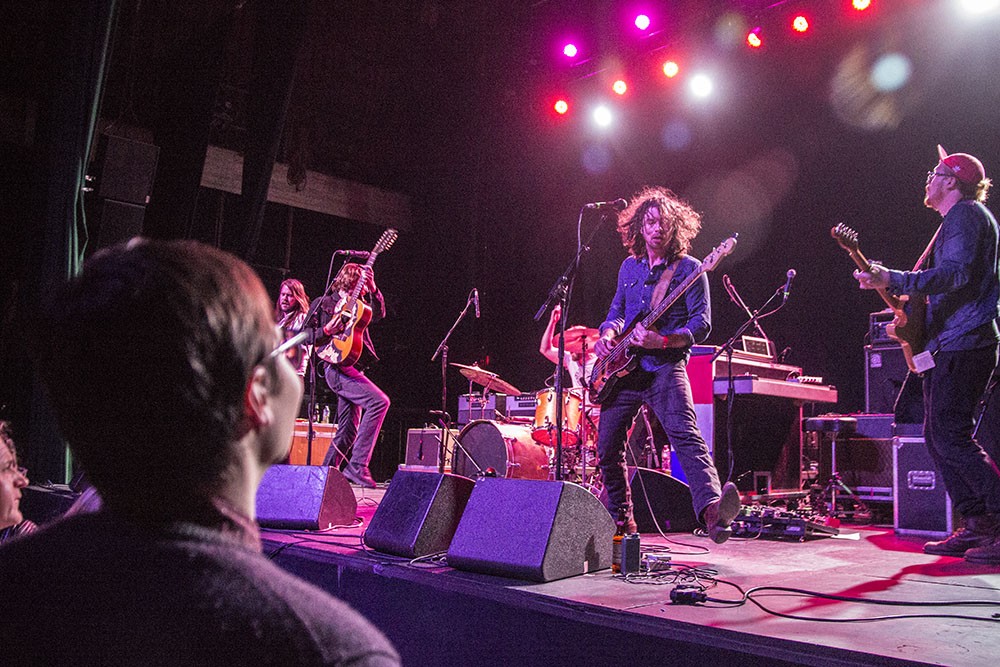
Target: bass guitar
point(907, 327)
point(621, 360)
point(345, 346)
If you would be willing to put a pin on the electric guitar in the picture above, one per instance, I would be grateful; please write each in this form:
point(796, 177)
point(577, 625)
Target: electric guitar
point(907, 327)
point(621, 360)
point(345, 346)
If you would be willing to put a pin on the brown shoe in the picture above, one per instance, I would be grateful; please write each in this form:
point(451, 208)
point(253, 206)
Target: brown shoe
point(359, 475)
point(985, 555)
point(720, 514)
point(977, 531)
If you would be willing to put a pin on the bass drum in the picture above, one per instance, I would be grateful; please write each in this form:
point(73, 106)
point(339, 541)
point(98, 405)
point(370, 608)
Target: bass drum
point(506, 448)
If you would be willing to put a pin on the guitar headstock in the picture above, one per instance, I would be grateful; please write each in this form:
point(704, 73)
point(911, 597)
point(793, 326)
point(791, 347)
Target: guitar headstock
point(385, 241)
point(846, 237)
point(718, 253)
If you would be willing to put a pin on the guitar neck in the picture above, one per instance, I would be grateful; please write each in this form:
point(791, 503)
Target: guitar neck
point(866, 266)
point(357, 287)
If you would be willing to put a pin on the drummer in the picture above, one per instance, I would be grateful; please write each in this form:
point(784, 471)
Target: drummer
point(579, 342)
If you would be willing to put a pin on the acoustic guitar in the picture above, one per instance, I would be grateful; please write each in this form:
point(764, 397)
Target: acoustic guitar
point(622, 360)
point(907, 326)
point(345, 346)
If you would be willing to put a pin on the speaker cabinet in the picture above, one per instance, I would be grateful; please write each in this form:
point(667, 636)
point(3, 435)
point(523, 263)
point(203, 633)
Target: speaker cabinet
point(119, 222)
point(305, 498)
point(532, 529)
point(125, 169)
point(659, 500)
point(418, 514)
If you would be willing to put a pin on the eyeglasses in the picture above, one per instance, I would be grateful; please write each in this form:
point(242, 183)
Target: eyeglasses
point(293, 348)
point(932, 174)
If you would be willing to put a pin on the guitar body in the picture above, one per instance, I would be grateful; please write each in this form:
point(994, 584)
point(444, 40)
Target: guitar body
point(344, 349)
point(618, 364)
point(907, 329)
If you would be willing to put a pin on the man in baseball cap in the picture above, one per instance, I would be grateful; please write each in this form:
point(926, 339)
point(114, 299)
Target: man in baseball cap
point(958, 277)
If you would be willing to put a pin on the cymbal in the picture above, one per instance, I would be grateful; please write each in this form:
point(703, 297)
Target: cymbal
point(488, 379)
point(577, 335)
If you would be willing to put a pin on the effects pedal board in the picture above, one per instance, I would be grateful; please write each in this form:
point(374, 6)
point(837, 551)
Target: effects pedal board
point(756, 521)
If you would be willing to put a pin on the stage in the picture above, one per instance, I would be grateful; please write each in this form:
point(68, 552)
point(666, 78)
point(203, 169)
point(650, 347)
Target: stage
point(437, 615)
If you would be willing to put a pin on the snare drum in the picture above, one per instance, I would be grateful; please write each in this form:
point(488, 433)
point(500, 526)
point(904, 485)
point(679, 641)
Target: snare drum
point(545, 416)
point(507, 448)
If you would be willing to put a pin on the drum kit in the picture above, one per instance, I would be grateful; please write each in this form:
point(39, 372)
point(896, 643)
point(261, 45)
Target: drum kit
point(521, 448)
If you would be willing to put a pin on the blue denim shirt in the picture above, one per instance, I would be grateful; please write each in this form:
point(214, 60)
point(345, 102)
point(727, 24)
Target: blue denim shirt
point(633, 297)
point(962, 284)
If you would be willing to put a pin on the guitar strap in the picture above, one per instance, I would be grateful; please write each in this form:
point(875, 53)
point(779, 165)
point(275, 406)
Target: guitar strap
point(663, 283)
point(927, 250)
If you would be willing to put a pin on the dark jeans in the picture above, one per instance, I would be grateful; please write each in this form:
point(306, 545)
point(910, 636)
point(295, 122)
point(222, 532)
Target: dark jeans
point(952, 390)
point(361, 408)
point(668, 392)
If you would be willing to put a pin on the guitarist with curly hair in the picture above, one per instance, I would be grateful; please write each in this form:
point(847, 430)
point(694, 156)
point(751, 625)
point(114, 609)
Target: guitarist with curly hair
point(361, 406)
point(657, 229)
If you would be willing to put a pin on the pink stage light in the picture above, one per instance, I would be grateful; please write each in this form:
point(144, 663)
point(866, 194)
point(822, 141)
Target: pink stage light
point(861, 5)
point(800, 23)
point(670, 69)
point(642, 22)
point(570, 51)
point(561, 107)
point(753, 38)
point(619, 87)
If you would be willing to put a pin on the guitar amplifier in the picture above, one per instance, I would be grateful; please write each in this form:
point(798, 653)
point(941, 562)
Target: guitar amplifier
point(494, 407)
point(877, 323)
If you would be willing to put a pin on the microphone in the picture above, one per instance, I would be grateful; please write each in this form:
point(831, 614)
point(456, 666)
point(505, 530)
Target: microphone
point(616, 205)
point(475, 300)
point(358, 254)
point(788, 283)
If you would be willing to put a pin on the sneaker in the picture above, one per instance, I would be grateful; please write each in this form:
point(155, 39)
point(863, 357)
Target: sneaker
point(720, 514)
point(977, 531)
point(358, 475)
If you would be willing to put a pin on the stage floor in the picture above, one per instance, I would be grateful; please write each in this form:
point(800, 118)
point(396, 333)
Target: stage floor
point(437, 615)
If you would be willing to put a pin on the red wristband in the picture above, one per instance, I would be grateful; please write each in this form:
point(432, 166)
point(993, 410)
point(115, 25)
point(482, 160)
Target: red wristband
point(665, 342)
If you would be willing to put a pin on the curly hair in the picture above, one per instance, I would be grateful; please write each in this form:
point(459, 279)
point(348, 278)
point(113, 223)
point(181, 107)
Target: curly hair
point(347, 277)
point(680, 221)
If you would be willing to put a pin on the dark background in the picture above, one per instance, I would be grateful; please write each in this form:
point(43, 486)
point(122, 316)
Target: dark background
point(449, 103)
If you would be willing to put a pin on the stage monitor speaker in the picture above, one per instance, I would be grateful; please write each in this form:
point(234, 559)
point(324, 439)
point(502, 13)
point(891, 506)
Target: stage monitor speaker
point(532, 529)
point(305, 497)
point(419, 513)
point(658, 498)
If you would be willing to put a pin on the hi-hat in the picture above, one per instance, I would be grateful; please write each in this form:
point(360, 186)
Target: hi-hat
point(491, 381)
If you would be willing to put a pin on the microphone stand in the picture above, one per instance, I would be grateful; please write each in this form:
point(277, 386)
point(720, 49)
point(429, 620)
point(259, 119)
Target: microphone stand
point(442, 349)
point(735, 297)
point(731, 381)
point(311, 321)
point(561, 291)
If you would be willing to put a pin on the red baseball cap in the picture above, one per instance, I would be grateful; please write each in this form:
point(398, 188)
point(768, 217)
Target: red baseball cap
point(966, 168)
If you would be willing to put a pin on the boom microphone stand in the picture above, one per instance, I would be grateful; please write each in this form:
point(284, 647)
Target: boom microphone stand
point(445, 420)
point(561, 291)
point(728, 348)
